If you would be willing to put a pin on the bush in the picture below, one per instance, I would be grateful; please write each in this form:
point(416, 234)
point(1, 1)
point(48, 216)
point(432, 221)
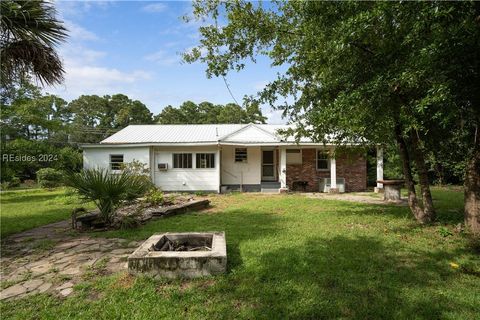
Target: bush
point(154, 197)
point(49, 178)
point(39, 154)
point(15, 182)
point(108, 190)
point(12, 183)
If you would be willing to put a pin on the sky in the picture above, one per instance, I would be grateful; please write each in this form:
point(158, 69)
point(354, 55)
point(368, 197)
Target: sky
point(134, 48)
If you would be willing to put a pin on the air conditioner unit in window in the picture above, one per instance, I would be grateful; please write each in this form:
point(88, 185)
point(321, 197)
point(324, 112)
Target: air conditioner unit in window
point(162, 166)
point(326, 183)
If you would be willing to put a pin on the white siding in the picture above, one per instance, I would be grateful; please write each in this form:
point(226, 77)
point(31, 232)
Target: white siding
point(185, 179)
point(100, 157)
point(241, 173)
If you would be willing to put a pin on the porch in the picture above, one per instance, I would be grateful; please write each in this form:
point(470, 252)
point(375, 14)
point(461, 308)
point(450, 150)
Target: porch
point(297, 168)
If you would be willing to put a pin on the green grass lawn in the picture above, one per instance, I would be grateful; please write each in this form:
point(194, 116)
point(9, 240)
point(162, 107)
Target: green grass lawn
point(293, 257)
point(26, 209)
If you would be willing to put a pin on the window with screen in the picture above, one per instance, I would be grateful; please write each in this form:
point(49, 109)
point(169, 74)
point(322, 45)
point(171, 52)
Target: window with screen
point(322, 160)
point(182, 160)
point(116, 161)
point(240, 154)
point(205, 160)
point(294, 156)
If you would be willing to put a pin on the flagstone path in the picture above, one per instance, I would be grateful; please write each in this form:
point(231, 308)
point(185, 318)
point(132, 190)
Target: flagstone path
point(53, 259)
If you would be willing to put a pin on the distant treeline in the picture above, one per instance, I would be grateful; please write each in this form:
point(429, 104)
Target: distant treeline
point(35, 125)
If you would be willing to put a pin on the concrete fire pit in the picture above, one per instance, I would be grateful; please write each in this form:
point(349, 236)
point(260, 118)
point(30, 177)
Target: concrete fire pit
point(181, 255)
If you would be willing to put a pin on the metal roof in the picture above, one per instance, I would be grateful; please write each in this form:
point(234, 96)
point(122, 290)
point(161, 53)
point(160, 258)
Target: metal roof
point(198, 133)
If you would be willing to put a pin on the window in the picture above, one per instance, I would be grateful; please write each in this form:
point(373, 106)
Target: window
point(182, 160)
point(294, 156)
point(116, 161)
point(240, 154)
point(323, 162)
point(205, 160)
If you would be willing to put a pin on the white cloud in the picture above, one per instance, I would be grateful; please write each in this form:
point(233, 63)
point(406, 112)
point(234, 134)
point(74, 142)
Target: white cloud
point(100, 76)
point(80, 8)
point(97, 80)
point(155, 7)
point(163, 58)
point(85, 71)
point(76, 54)
point(78, 33)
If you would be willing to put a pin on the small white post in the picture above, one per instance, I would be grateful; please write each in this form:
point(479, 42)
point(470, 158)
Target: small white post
point(333, 173)
point(218, 162)
point(283, 169)
point(379, 166)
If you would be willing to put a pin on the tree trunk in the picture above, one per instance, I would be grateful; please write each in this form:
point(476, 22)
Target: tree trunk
point(472, 189)
point(428, 209)
point(407, 172)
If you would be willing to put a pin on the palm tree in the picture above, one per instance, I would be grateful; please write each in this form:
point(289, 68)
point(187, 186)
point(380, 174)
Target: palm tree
point(108, 190)
point(29, 33)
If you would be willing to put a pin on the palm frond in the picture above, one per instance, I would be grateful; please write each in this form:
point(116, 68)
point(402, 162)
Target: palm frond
point(108, 190)
point(29, 33)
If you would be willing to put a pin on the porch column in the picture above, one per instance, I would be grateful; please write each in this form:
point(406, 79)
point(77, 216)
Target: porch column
point(333, 174)
point(283, 170)
point(379, 167)
point(218, 162)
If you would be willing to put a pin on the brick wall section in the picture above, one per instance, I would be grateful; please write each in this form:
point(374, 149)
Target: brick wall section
point(352, 167)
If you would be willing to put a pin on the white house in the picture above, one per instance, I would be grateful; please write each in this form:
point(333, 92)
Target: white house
point(221, 157)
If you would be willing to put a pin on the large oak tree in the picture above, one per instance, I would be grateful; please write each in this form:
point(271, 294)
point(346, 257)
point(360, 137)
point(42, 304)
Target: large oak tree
point(381, 71)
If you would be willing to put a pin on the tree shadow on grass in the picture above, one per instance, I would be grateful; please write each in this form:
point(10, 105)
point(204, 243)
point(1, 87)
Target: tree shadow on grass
point(447, 213)
point(355, 278)
point(239, 225)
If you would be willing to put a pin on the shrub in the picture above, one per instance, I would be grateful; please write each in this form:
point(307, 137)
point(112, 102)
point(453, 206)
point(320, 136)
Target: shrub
point(108, 190)
point(15, 182)
point(154, 197)
point(49, 178)
point(61, 158)
point(128, 222)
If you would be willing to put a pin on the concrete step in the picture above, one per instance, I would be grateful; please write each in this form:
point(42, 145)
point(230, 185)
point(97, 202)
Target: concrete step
point(270, 184)
point(270, 190)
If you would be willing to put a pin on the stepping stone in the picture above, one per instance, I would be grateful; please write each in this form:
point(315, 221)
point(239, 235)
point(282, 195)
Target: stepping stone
point(31, 285)
point(121, 251)
point(44, 287)
point(12, 291)
point(64, 286)
point(70, 271)
point(44, 268)
point(66, 292)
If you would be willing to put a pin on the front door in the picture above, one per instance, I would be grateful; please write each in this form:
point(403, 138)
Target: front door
point(268, 165)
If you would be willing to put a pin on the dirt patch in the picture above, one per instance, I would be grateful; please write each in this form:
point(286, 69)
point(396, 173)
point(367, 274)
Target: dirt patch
point(204, 285)
point(125, 281)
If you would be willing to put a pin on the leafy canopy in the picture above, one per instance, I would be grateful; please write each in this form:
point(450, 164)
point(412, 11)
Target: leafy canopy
point(353, 68)
point(206, 112)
